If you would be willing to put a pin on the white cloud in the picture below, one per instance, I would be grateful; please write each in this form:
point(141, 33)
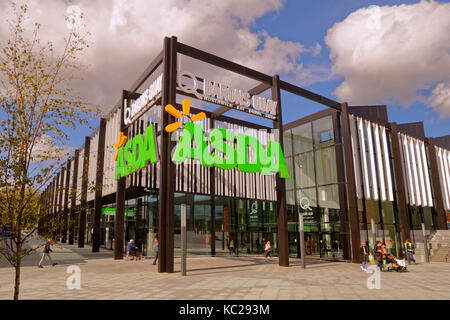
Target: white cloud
point(127, 35)
point(440, 99)
point(45, 149)
point(391, 54)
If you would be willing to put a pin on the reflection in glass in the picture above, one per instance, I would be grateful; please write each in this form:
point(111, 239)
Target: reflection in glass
point(287, 146)
point(302, 138)
point(326, 166)
point(304, 170)
point(323, 132)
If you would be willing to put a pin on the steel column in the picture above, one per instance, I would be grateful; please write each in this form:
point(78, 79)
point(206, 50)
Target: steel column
point(96, 235)
point(437, 190)
point(119, 219)
point(167, 183)
point(84, 187)
point(73, 197)
point(66, 203)
point(340, 167)
point(283, 243)
point(212, 192)
point(399, 184)
point(60, 205)
point(351, 185)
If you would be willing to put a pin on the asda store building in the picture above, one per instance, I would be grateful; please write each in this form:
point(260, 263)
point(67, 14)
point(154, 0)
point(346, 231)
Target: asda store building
point(180, 139)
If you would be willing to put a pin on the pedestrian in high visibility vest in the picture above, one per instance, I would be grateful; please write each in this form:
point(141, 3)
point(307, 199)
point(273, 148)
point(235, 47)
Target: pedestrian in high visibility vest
point(410, 251)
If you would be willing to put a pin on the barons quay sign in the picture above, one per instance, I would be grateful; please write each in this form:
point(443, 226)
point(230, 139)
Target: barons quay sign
point(150, 95)
point(225, 156)
point(218, 93)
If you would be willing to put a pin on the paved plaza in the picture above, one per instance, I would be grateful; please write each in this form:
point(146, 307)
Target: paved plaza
point(217, 278)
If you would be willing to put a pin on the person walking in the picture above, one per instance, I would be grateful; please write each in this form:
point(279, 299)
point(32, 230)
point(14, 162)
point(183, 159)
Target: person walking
point(410, 250)
point(156, 250)
point(46, 253)
point(364, 252)
point(232, 246)
point(378, 254)
point(267, 250)
point(130, 248)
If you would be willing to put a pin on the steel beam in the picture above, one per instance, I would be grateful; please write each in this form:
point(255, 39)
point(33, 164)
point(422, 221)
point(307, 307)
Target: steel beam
point(96, 235)
point(437, 190)
point(351, 185)
point(73, 198)
point(402, 204)
point(283, 243)
point(84, 187)
point(340, 167)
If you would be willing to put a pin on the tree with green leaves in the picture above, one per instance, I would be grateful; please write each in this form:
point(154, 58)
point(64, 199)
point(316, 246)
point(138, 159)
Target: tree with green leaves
point(37, 108)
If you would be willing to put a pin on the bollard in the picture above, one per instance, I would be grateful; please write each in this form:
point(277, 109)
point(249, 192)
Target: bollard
point(183, 239)
point(427, 257)
point(302, 238)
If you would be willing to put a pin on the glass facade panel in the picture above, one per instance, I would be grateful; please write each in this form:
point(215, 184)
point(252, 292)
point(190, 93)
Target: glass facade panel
point(372, 211)
point(302, 138)
point(287, 147)
point(304, 170)
point(323, 132)
point(307, 197)
point(326, 166)
point(329, 197)
point(388, 214)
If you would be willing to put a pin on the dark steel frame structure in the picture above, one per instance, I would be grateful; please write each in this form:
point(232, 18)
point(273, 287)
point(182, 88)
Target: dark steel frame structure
point(167, 58)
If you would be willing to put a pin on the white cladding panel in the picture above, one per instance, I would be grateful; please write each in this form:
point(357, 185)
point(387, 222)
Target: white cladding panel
point(423, 192)
point(362, 146)
point(442, 158)
point(355, 154)
point(372, 161)
point(387, 164)
point(426, 174)
point(414, 171)
point(379, 163)
point(409, 175)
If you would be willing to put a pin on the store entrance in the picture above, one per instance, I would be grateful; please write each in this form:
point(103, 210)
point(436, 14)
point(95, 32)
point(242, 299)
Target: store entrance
point(312, 244)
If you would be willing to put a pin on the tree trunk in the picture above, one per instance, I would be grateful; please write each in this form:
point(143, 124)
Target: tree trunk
point(17, 279)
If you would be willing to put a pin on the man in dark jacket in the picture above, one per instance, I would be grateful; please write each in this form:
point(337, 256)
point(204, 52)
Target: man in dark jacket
point(46, 253)
point(378, 254)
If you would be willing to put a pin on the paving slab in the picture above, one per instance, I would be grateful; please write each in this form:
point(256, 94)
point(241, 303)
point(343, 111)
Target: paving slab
point(221, 278)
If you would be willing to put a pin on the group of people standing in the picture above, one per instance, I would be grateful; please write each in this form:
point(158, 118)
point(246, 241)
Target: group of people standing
point(380, 253)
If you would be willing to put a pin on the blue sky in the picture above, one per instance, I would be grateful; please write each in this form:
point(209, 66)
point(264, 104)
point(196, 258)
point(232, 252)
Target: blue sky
point(307, 22)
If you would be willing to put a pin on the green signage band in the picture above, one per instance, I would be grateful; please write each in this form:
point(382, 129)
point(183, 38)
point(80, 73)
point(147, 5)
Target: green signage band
point(112, 212)
point(192, 144)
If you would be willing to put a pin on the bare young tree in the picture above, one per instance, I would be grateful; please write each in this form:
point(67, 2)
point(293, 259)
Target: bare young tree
point(38, 107)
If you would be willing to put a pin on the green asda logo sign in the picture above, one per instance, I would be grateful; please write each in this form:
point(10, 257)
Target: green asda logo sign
point(194, 144)
point(226, 156)
point(136, 153)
